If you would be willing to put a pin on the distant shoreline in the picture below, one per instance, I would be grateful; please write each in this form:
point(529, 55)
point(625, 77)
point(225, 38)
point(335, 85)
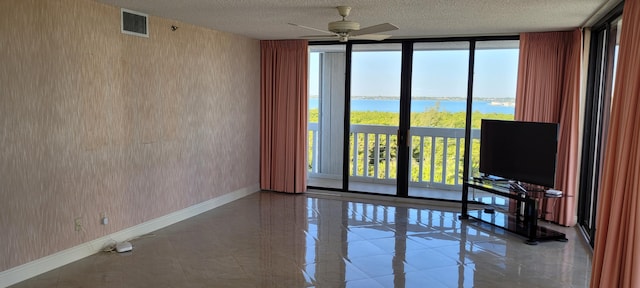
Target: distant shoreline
point(483, 105)
point(487, 99)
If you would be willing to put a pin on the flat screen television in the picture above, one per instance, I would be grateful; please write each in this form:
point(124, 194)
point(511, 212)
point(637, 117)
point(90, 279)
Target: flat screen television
point(520, 151)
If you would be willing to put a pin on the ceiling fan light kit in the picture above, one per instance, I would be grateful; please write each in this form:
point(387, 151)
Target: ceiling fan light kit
point(345, 29)
point(343, 26)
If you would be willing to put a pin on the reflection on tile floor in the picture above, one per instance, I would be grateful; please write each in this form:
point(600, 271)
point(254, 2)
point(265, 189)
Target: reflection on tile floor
point(280, 240)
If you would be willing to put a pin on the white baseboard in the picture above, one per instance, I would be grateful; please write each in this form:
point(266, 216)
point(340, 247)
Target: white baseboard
point(50, 262)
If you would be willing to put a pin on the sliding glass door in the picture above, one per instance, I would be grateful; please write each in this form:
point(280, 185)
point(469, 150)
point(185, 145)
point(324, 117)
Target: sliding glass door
point(438, 119)
point(600, 85)
point(374, 117)
point(326, 130)
point(494, 89)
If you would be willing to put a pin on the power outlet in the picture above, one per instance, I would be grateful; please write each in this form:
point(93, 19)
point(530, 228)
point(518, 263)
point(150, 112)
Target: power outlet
point(77, 224)
point(104, 220)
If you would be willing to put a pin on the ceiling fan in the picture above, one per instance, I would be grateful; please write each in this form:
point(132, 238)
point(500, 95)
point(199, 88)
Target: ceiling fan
point(345, 29)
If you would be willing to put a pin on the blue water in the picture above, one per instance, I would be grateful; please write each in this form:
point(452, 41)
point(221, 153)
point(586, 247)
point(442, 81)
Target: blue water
point(421, 105)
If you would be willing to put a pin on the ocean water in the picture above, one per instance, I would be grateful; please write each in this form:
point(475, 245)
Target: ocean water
point(422, 105)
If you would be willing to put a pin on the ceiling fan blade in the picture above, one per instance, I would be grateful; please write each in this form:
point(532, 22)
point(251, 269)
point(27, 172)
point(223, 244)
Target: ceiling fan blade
point(384, 27)
point(311, 28)
point(376, 37)
point(319, 37)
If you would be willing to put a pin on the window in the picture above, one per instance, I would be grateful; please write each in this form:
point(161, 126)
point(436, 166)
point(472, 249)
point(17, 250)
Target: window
point(600, 86)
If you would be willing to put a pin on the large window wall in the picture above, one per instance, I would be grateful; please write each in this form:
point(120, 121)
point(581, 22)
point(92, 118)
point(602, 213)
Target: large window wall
point(406, 108)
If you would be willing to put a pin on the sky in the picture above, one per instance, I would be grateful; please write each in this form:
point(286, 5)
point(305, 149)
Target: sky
point(439, 73)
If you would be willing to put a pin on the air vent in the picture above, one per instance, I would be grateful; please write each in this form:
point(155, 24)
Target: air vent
point(134, 23)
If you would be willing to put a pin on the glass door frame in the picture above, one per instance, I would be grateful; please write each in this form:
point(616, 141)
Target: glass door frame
point(404, 127)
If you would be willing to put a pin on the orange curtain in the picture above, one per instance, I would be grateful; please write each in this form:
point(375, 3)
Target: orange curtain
point(283, 107)
point(548, 90)
point(616, 257)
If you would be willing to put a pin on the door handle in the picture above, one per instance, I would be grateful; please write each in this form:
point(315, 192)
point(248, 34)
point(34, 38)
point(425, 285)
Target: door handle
point(408, 137)
point(404, 138)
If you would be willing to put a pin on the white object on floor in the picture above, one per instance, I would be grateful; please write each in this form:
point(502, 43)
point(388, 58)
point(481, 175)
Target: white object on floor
point(124, 247)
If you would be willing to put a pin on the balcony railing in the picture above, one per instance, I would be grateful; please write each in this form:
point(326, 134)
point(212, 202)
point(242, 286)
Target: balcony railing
point(436, 154)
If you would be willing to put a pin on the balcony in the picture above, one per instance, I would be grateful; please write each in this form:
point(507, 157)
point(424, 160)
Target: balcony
point(436, 164)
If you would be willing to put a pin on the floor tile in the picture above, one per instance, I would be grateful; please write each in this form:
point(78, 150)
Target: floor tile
point(279, 240)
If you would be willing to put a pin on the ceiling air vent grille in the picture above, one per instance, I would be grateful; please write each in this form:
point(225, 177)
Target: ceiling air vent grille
point(135, 23)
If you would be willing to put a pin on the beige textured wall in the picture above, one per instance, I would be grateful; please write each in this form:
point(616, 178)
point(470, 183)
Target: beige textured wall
point(92, 121)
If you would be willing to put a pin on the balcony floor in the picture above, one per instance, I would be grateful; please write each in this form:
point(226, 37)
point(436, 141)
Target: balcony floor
point(387, 189)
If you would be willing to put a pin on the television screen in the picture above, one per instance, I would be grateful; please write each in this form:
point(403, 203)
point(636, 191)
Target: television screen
point(521, 151)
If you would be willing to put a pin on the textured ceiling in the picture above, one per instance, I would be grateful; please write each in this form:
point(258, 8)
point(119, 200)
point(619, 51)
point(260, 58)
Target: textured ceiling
point(262, 19)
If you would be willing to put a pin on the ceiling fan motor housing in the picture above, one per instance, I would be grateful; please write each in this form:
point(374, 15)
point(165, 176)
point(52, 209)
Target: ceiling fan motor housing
point(343, 26)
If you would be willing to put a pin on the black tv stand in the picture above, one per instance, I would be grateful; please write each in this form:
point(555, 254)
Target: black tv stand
point(490, 178)
point(518, 213)
point(517, 187)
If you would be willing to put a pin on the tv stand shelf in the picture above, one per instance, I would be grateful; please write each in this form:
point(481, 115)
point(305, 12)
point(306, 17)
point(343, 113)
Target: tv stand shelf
point(517, 212)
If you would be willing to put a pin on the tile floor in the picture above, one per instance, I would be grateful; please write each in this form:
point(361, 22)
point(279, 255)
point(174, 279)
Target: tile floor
point(314, 240)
